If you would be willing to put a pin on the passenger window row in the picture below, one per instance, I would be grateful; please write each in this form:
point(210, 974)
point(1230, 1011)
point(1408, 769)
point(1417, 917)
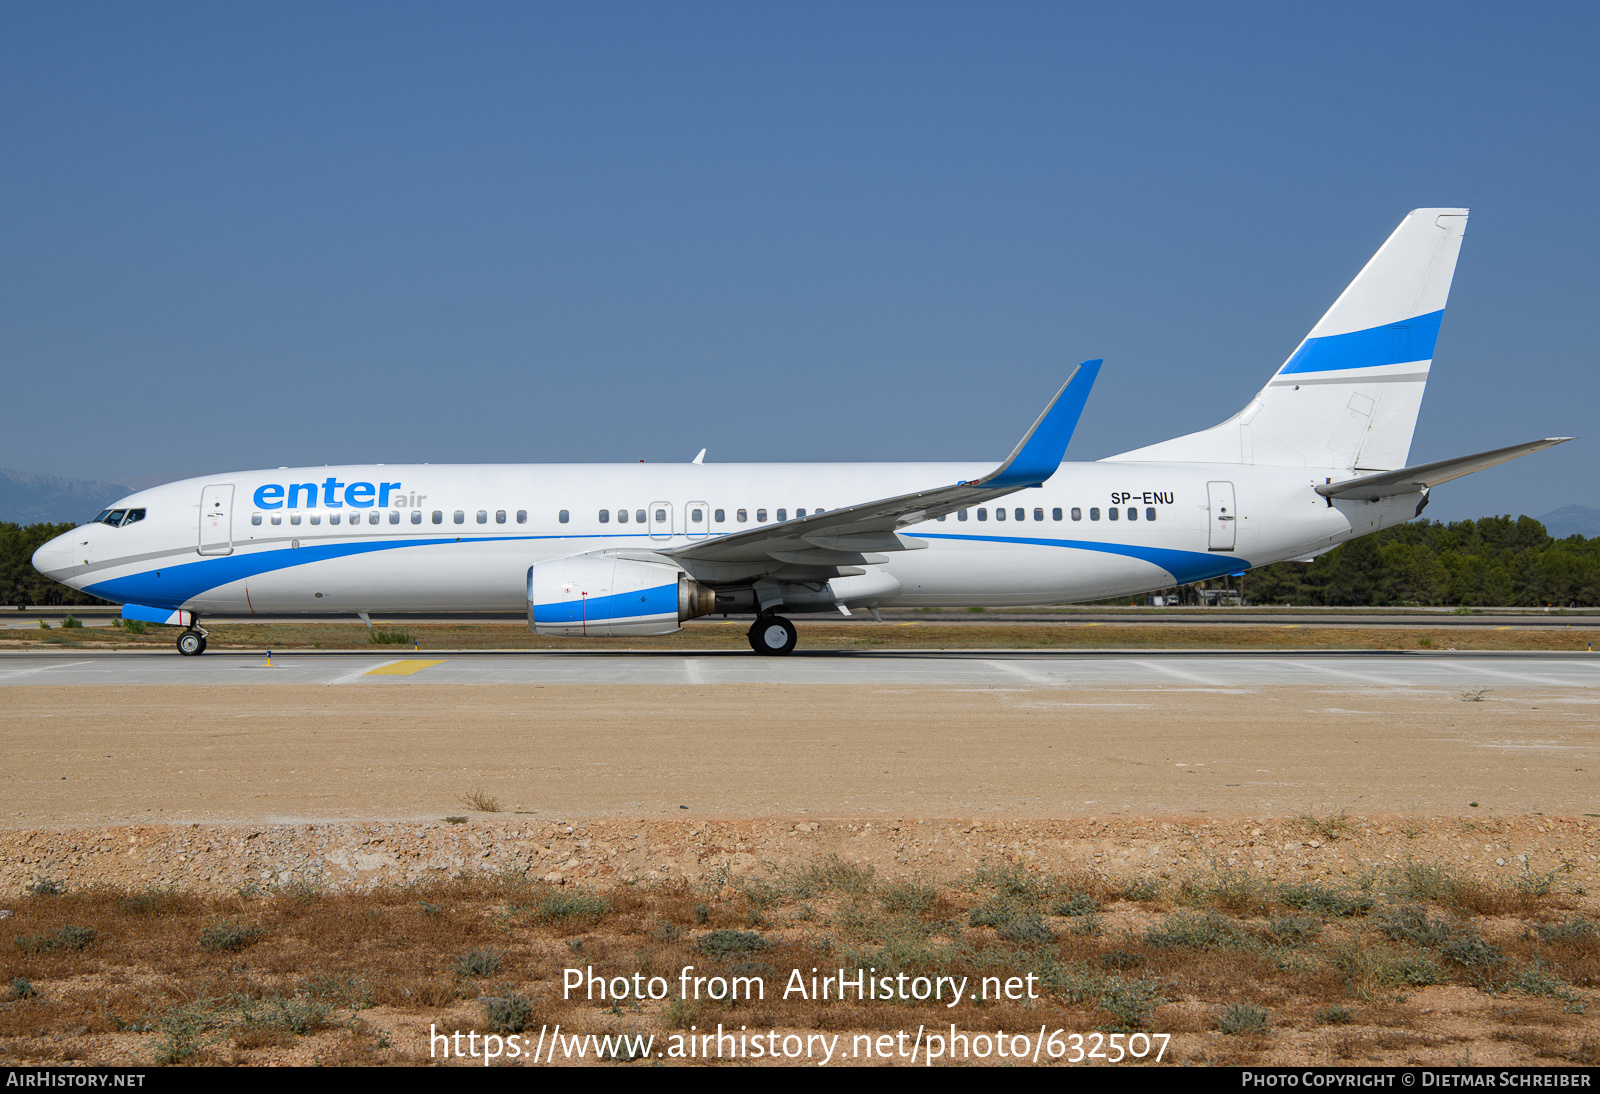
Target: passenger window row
point(1055, 514)
point(697, 515)
point(376, 517)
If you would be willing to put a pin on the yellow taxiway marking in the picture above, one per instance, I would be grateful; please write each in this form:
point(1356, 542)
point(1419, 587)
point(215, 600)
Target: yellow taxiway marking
point(401, 668)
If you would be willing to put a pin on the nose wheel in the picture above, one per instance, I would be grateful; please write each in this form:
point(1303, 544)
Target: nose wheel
point(192, 643)
point(773, 635)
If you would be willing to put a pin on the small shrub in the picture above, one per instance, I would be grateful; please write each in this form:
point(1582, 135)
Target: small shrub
point(559, 907)
point(908, 899)
point(71, 622)
point(134, 626)
point(1242, 1018)
point(229, 936)
point(43, 626)
point(62, 939)
point(23, 989)
point(1198, 932)
point(389, 638)
point(830, 875)
point(1291, 930)
point(1142, 889)
point(1574, 929)
point(509, 1014)
point(46, 886)
point(296, 1016)
point(1026, 929)
point(480, 801)
point(1334, 1016)
point(1080, 904)
point(476, 962)
point(1129, 1002)
point(1322, 900)
point(725, 942)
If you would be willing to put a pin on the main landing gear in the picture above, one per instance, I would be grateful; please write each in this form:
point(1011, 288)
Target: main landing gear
point(773, 635)
point(192, 642)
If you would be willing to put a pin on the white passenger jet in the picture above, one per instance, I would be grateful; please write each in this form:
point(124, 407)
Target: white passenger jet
point(1316, 458)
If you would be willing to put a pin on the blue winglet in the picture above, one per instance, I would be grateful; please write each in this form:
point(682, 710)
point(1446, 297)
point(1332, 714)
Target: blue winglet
point(1039, 453)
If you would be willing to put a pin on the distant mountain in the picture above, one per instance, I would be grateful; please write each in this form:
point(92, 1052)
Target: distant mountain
point(1572, 520)
point(27, 498)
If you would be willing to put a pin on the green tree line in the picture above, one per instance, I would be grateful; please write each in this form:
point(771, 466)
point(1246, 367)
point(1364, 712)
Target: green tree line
point(1493, 561)
point(20, 583)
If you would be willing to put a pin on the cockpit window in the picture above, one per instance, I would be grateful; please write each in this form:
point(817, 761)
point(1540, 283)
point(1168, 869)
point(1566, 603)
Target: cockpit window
point(118, 517)
point(133, 515)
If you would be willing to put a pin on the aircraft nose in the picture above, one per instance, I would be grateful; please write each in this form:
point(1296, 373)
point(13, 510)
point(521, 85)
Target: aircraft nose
point(55, 557)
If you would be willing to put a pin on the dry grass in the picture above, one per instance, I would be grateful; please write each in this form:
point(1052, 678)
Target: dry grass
point(358, 978)
point(819, 635)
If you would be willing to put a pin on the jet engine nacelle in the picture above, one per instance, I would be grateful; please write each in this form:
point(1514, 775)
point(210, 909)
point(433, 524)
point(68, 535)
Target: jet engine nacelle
point(601, 595)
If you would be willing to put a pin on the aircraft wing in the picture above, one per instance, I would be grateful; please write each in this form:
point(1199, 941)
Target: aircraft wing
point(840, 536)
point(1411, 480)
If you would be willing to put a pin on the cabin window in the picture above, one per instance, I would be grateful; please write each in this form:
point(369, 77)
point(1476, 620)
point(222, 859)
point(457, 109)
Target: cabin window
point(695, 515)
point(563, 516)
point(1094, 514)
point(622, 516)
point(1113, 513)
point(961, 514)
point(256, 519)
point(1077, 514)
point(1038, 514)
point(661, 517)
point(1149, 514)
point(741, 515)
point(983, 514)
point(483, 516)
point(938, 518)
point(277, 519)
point(316, 518)
point(394, 516)
point(638, 516)
point(294, 518)
point(416, 517)
point(1133, 514)
point(605, 516)
point(783, 514)
point(438, 516)
point(721, 515)
point(460, 517)
point(499, 516)
point(761, 516)
point(798, 513)
point(522, 516)
point(372, 517)
point(333, 518)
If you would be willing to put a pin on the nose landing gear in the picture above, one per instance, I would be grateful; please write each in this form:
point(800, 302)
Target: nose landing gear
point(192, 642)
point(773, 635)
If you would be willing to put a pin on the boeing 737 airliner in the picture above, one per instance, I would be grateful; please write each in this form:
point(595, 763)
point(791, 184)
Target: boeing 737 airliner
point(1316, 458)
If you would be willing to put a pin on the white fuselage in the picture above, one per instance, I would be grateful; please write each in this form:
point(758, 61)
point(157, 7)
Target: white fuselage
point(422, 538)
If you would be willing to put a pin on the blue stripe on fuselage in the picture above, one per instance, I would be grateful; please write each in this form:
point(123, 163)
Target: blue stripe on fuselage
point(172, 586)
point(1391, 344)
point(1184, 566)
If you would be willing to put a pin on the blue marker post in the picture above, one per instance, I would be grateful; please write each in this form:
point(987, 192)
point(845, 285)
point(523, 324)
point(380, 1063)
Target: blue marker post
point(269, 659)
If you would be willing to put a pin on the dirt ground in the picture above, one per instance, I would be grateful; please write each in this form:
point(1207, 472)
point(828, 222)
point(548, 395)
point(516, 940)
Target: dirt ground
point(1293, 875)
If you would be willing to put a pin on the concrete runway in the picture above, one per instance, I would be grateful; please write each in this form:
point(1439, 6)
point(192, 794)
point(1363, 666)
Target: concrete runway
point(993, 668)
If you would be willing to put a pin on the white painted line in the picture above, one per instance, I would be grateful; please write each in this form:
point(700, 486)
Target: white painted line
point(351, 677)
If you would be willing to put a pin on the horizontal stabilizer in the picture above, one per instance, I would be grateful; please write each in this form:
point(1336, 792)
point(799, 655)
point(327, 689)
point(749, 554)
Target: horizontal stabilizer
point(1412, 480)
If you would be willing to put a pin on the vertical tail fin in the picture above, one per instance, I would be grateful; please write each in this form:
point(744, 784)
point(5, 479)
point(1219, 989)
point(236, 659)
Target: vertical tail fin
point(1347, 398)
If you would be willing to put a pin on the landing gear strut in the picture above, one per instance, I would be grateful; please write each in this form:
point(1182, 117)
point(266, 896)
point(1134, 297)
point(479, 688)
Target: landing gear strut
point(192, 642)
point(773, 635)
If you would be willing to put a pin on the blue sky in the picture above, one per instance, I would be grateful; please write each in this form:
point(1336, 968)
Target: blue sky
point(236, 236)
